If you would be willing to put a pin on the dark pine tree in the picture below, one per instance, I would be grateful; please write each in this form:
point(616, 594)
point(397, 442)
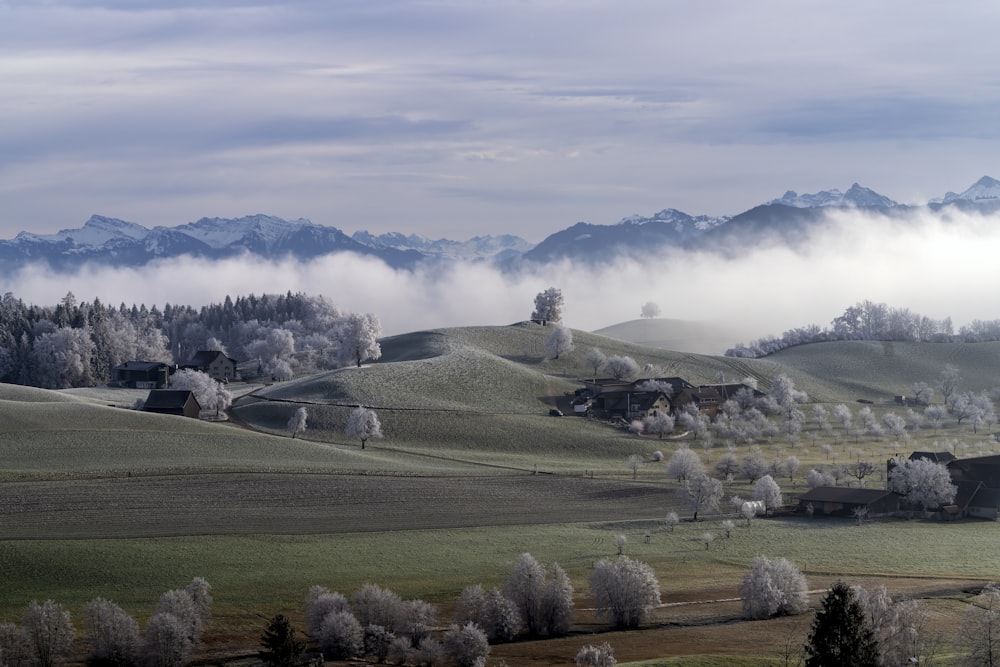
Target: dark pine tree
point(840, 633)
point(281, 648)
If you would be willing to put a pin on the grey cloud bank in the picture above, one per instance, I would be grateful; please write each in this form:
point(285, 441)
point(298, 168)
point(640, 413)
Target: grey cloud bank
point(460, 118)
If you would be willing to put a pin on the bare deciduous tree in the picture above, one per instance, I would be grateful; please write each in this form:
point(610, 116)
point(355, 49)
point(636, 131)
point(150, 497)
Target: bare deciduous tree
point(594, 359)
point(112, 634)
point(560, 341)
point(297, 422)
point(701, 493)
point(48, 633)
point(596, 656)
point(466, 645)
point(622, 367)
point(685, 464)
point(358, 339)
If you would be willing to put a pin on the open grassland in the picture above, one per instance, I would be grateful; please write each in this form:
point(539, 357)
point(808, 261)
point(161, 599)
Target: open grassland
point(680, 335)
point(102, 501)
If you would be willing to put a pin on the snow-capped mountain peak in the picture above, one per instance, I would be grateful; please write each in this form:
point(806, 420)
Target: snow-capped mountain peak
point(856, 196)
point(985, 189)
point(97, 231)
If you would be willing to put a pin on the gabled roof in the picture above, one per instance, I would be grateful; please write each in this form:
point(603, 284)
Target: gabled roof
point(936, 457)
point(637, 400)
point(985, 469)
point(844, 494)
point(169, 398)
point(141, 366)
point(204, 358)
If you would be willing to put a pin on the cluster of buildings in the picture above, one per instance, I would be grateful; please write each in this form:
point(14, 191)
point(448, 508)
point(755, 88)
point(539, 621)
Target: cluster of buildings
point(609, 398)
point(155, 376)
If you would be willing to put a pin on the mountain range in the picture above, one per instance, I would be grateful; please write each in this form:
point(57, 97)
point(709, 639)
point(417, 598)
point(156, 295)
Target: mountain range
point(787, 219)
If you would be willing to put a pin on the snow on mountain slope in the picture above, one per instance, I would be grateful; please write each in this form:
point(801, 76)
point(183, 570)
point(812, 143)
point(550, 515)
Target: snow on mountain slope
point(985, 189)
point(855, 196)
point(97, 231)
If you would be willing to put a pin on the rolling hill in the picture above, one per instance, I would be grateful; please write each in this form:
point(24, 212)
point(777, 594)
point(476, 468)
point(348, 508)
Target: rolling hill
point(678, 335)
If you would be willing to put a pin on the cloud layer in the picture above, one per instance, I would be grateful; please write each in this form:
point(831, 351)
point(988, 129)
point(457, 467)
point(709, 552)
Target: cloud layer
point(452, 118)
point(935, 266)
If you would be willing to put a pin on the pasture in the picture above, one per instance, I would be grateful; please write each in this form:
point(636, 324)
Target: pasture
point(104, 501)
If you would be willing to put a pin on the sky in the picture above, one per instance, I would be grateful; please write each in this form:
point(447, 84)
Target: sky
point(452, 118)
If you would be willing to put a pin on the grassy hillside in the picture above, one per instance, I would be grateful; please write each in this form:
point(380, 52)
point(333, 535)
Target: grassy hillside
point(840, 371)
point(680, 335)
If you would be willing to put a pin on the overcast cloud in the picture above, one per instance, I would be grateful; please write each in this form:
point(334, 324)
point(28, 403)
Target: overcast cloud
point(456, 118)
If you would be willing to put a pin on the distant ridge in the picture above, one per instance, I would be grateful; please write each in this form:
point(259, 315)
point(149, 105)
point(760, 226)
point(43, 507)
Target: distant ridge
point(788, 220)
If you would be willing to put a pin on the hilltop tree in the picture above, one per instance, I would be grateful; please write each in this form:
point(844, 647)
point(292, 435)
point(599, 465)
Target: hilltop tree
point(548, 306)
point(560, 341)
point(358, 338)
point(840, 633)
point(364, 425)
point(650, 310)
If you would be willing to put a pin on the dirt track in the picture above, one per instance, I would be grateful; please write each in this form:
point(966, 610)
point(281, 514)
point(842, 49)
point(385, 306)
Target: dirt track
point(232, 504)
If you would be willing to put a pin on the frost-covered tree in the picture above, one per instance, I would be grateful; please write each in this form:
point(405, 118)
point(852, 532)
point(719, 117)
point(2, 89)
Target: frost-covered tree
point(685, 464)
point(700, 494)
point(622, 367)
point(525, 587)
point(363, 424)
point(358, 338)
point(843, 415)
point(897, 625)
point(935, 414)
point(548, 306)
point(753, 466)
point(320, 602)
point(62, 358)
point(624, 590)
point(210, 393)
point(840, 634)
point(274, 350)
point(922, 393)
point(650, 310)
point(47, 633)
point(658, 424)
point(767, 489)
point(923, 483)
point(374, 605)
point(948, 382)
point(979, 638)
point(415, 619)
point(596, 656)
point(112, 634)
point(491, 610)
point(341, 636)
point(791, 466)
point(166, 641)
point(728, 464)
point(297, 422)
point(594, 359)
point(557, 602)
point(466, 645)
point(671, 520)
point(560, 341)
point(773, 587)
point(633, 462)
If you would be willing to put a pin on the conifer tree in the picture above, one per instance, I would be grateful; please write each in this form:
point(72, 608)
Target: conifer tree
point(840, 633)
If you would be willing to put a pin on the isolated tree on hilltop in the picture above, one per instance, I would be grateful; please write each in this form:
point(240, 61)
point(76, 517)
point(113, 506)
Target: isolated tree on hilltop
point(364, 425)
point(560, 341)
point(358, 337)
point(650, 310)
point(548, 306)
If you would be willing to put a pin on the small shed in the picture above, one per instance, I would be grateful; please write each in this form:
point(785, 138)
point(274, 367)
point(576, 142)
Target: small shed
point(179, 402)
point(843, 500)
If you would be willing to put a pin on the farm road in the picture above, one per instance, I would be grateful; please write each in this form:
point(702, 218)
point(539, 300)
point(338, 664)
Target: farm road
point(235, 504)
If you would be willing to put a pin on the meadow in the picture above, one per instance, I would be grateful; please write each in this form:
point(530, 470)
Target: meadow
point(98, 500)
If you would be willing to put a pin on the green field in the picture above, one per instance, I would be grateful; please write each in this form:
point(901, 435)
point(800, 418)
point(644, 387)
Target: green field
point(104, 501)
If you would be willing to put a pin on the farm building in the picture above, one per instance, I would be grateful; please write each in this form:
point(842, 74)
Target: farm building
point(844, 500)
point(179, 402)
point(631, 404)
point(141, 375)
point(214, 363)
point(982, 474)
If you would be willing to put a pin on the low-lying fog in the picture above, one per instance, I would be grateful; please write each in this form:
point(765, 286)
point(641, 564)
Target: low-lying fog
point(935, 267)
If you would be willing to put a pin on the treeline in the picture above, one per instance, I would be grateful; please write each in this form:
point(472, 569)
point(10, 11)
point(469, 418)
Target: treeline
point(867, 320)
point(75, 344)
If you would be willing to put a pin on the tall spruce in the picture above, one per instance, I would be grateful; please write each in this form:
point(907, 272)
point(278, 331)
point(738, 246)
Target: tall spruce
point(840, 632)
